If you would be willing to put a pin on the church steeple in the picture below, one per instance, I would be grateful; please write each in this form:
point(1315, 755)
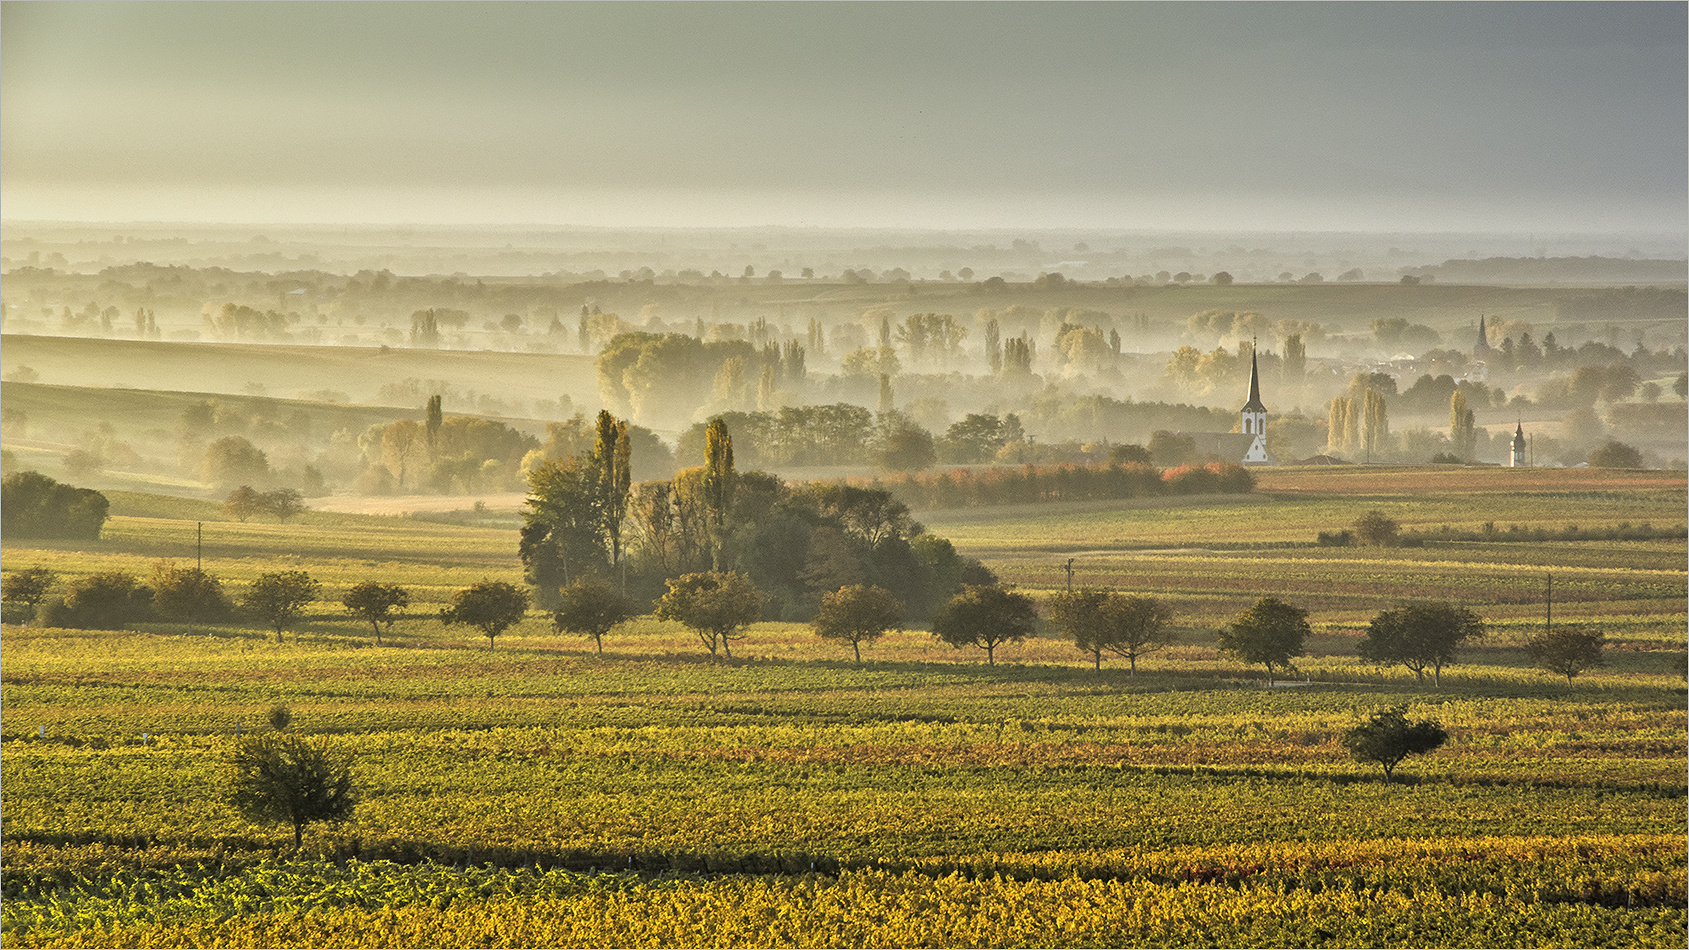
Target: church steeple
point(1255, 411)
point(1254, 404)
point(1482, 347)
point(1516, 458)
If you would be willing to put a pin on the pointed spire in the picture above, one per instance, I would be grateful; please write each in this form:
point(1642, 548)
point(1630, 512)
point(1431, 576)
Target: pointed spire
point(1254, 404)
point(1483, 345)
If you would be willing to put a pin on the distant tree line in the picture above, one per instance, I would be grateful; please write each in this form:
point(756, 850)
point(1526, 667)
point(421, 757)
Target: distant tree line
point(1028, 484)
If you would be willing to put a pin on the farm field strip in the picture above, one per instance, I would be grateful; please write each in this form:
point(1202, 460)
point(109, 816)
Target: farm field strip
point(538, 793)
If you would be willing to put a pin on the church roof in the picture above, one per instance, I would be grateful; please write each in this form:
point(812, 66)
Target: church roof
point(1254, 404)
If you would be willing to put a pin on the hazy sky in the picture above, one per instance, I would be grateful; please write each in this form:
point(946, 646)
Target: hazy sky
point(1440, 116)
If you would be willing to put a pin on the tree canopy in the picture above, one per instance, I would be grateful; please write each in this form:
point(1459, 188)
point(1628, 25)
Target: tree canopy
point(985, 616)
point(278, 598)
point(1388, 737)
point(292, 779)
point(1568, 651)
point(1270, 633)
point(490, 606)
point(1418, 636)
point(592, 607)
point(857, 614)
point(376, 602)
point(35, 506)
point(715, 604)
point(1101, 621)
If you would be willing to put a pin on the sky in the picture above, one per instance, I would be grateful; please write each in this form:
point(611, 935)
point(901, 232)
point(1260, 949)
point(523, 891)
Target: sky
point(1558, 117)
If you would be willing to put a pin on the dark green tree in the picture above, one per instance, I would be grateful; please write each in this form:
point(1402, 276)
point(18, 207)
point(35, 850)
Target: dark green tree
point(1418, 636)
point(1388, 738)
point(290, 779)
point(715, 605)
point(377, 603)
point(491, 606)
point(1270, 633)
point(1568, 651)
point(718, 482)
point(278, 598)
point(985, 616)
point(857, 614)
point(908, 449)
point(592, 607)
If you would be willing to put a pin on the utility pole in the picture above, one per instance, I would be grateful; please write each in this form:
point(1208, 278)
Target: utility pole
point(1070, 575)
point(1548, 622)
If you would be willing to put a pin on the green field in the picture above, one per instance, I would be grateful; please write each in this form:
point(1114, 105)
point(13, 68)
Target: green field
point(538, 794)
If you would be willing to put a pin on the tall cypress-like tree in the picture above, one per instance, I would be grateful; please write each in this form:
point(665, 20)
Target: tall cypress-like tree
point(718, 482)
point(436, 418)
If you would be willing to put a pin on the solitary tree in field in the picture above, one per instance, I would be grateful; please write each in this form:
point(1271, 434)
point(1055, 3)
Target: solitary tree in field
point(715, 605)
point(985, 616)
point(1270, 633)
point(284, 503)
point(27, 588)
point(1388, 738)
point(857, 614)
point(592, 607)
point(243, 503)
point(377, 603)
point(280, 597)
point(275, 777)
point(1568, 651)
point(1419, 636)
point(491, 606)
point(1103, 621)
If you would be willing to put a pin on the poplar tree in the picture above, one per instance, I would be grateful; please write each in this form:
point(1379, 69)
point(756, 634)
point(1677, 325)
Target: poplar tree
point(717, 483)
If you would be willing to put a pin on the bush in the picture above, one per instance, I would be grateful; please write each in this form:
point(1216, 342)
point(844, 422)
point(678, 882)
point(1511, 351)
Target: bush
point(106, 601)
point(1335, 539)
point(1375, 529)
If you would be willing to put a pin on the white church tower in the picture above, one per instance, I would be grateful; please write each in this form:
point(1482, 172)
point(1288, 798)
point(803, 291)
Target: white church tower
point(1255, 417)
point(1518, 458)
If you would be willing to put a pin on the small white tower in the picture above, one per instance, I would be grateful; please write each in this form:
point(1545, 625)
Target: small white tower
point(1255, 417)
point(1518, 457)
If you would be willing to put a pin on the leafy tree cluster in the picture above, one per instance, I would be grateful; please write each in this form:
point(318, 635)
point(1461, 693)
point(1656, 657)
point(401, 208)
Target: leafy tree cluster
point(35, 506)
point(795, 543)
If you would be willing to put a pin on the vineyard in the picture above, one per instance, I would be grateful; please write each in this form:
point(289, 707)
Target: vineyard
point(538, 794)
